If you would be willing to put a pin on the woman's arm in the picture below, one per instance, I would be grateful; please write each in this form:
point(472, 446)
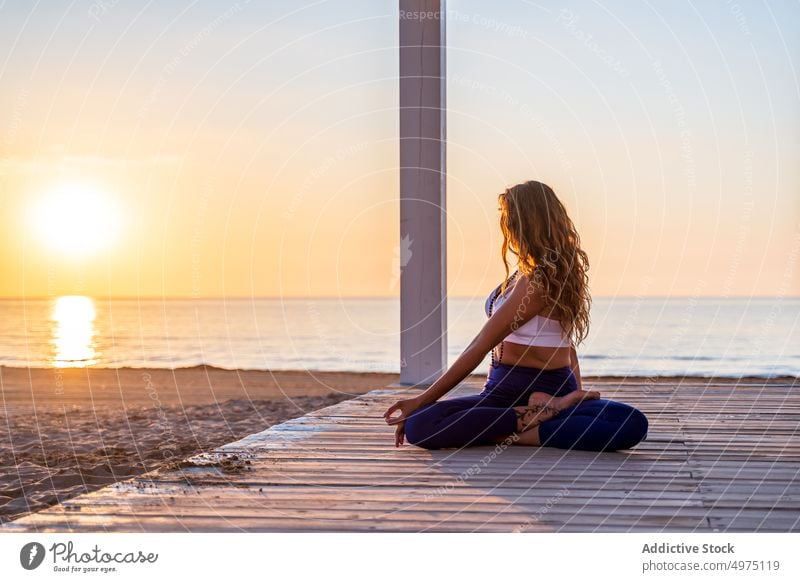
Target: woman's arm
point(576, 368)
point(523, 303)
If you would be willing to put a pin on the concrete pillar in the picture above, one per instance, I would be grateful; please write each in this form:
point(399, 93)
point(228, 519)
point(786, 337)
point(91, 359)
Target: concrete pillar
point(423, 234)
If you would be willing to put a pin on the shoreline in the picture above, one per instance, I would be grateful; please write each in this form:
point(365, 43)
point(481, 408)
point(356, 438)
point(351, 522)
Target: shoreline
point(380, 375)
point(73, 430)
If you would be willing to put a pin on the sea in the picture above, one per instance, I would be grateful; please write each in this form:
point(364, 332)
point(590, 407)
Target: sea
point(650, 336)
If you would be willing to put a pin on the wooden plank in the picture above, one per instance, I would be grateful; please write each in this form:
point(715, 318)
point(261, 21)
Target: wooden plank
point(708, 465)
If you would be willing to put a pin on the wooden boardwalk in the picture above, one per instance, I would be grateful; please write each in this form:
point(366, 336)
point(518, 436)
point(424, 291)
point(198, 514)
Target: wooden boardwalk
point(719, 456)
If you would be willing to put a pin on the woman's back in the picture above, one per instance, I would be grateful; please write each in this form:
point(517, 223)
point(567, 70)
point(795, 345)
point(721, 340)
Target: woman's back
point(539, 342)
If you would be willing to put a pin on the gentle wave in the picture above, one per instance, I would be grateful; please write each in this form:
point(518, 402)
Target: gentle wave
point(645, 337)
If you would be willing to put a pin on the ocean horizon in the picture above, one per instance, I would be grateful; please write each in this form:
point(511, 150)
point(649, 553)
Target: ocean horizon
point(629, 336)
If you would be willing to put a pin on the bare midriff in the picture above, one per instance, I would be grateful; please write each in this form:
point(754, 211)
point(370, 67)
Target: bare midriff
point(534, 356)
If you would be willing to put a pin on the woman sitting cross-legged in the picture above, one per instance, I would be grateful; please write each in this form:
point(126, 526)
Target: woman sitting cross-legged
point(536, 317)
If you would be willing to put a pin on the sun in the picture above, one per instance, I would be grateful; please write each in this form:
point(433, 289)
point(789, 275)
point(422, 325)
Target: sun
point(76, 220)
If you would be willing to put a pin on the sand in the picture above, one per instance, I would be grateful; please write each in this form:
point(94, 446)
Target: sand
point(68, 431)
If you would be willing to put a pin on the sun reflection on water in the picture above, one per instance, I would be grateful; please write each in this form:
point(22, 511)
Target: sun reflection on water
point(73, 332)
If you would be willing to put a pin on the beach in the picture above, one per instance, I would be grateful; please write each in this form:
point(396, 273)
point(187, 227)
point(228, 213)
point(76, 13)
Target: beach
point(720, 454)
point(71, 430)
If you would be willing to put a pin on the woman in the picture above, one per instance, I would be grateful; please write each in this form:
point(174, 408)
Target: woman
point(533, 393)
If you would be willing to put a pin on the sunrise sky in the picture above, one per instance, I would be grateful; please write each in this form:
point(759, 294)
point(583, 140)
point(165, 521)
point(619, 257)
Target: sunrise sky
point(193, 149)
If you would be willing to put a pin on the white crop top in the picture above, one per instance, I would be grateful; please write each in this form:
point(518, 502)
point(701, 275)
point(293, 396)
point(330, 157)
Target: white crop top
point(537, 331)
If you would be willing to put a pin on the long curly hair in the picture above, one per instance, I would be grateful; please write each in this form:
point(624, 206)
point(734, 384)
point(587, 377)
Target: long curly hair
point(537, 229)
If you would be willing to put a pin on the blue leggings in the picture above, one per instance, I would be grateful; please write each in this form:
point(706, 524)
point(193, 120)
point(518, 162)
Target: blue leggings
point(591, 425)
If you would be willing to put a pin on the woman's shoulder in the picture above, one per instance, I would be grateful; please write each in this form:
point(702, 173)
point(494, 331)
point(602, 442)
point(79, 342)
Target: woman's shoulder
point(527, 281)
point(525, 290)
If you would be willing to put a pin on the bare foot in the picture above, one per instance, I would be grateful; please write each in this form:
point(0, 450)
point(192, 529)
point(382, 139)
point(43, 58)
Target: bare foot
point(542, 407)
point(533, 415)
point(562, 402)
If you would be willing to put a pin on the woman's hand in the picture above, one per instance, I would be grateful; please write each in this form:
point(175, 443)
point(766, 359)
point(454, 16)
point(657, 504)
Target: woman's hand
point(406, 407)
